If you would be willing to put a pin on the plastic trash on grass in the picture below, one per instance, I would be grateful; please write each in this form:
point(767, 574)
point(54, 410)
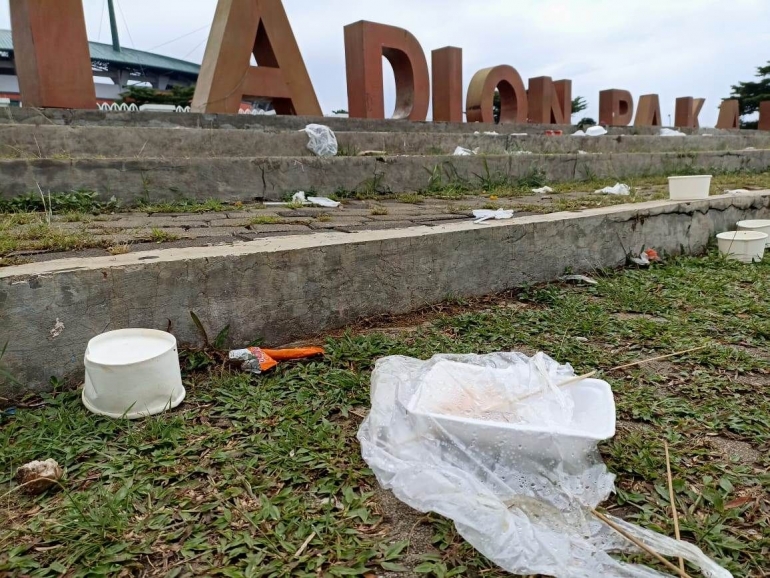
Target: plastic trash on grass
point(257, 360)
point(322, 142)
point(618, 189)
point(495, 444)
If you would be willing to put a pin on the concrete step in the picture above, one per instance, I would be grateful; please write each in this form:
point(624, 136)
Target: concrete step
point(67, 142)
point(286, 288)
point(286, 123)
point(271, 178)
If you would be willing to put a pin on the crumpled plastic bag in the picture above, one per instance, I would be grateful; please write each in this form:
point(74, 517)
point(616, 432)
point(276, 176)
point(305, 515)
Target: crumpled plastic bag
point(526, 510)
point(464, 152)
point(619, 189)
point(322, 142)
point(671, 132)
point(596, 131)
point(299, 197)
point(482, 215)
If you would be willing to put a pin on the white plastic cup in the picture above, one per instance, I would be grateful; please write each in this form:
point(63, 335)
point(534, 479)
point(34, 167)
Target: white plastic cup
point(758, 225)
point(689, 188)
point(743, 246)
point(132, 373)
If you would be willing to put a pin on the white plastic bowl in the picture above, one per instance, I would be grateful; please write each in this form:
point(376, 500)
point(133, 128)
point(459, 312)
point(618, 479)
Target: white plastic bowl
point(689, 188)
point(593, 421)
point(743, 246)
point(132, 373)
point(758, 225)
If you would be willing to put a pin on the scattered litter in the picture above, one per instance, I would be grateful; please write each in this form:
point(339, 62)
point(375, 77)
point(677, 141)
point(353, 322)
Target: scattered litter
point(521, 152)
point(582, 339)
point(372, 154)
point(671, 132)
point(580, 279)
point(646, 257)
point(519, 134)
point(737, 191)
point(543, 190)
point(488, 133)
point(483, 215)
point(322, 142)
point(596, 131)
point(619, 189)
point(709, 134)
point(554, 133)
point(463, 152)
point(750, 148)
point(582, 153)
point(579, 133)
point(506, 446)
point(57, 330)
point(36, 477)
point(257, 360)
point(323, 202)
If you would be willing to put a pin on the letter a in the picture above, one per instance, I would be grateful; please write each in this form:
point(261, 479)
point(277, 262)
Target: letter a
point(260, 27)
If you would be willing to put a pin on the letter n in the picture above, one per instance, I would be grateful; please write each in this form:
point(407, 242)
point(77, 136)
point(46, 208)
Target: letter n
point(51, 53)
point(259, 27)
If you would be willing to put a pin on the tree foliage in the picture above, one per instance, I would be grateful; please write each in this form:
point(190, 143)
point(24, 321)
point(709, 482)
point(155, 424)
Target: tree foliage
point(139, 95)
point(750, 94)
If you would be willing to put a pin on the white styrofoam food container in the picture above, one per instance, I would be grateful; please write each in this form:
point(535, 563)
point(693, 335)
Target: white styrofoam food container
point(758, 225)
point(743, 246)
point(593, 421)
point(132, 373)
point(689, 188)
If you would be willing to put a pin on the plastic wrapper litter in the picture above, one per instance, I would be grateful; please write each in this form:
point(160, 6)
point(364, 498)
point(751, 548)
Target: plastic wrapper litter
point(500, 445)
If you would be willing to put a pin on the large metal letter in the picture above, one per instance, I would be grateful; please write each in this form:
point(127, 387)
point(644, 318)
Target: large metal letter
point(51, 52)
point(648, 111)
point(365, 45)
point(616, 107)
point(764, 115)
point(260, 27)
point(729, 115)
point(513, 96)
point(687, 111)
point(550, 102)
point(448, 84)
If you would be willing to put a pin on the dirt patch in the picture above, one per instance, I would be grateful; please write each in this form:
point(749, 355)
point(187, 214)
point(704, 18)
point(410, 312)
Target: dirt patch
point(734, 449)
point(636, 316)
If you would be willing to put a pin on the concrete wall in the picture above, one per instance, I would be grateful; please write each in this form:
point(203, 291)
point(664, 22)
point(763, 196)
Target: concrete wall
point(232, 179)
point(281, 289)
point(35, 141)
point(277, 123)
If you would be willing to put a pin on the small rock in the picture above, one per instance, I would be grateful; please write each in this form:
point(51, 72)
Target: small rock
point(37, 477)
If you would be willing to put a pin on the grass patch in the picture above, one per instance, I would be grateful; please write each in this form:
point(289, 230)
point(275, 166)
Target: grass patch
point(30, 232)
point(249, 469)
point(80, 201)
point(379, 211)
point(410, 198)
point(187, 206)
point(162, 236)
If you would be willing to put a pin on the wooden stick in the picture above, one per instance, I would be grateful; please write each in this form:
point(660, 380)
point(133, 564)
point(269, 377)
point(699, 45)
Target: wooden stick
point(662, 357)
point(641, 545)
point(673, 503)
point(304, 545)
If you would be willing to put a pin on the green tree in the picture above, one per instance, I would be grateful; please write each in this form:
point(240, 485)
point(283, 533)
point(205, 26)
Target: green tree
point(750, 94)
point(139, 95)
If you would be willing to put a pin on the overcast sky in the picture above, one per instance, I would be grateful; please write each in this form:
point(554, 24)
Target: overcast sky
point(673, 48)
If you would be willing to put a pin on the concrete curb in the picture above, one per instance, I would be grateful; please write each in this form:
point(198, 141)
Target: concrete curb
point(234, 179)
point(66, 142)
point(281, 289)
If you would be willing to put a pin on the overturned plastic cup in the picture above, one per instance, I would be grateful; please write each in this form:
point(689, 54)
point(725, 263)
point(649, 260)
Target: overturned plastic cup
point(132, 373)
point(758, 225)
point(743, 246)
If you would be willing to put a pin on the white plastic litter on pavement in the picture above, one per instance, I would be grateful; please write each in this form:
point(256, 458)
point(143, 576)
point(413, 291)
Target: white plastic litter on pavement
point(671, 132)
point(322, 142)
point(519, 134)
point(323, 202)
point(596, 131)
point(618, 189)
point(737, 191)
point(579, 133)
point(582, 153)
point(463, 152)
point(482, 215)
point(494, 443)
point(543, 190)
point(521, 152)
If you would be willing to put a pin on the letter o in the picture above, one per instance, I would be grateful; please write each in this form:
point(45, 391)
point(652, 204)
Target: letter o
point(481, 94)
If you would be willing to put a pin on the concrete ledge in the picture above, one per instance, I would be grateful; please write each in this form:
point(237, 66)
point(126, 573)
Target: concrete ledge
point(233, 179)
point(58, 141)
point(281, 289)
point(277, 123)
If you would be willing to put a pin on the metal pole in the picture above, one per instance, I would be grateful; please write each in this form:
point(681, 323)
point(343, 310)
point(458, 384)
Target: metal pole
point(113, 26)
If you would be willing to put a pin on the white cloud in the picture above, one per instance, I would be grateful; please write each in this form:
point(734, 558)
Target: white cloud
point(669, 47)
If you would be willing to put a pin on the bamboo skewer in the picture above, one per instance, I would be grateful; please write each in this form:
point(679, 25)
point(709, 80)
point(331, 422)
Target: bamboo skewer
point(640, 544)
point(674, 513)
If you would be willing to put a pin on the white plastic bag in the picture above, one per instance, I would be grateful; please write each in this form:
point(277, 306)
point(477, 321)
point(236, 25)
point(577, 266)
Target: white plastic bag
point(520, 492)
point(671, 132)
point(543, 190)
point(579, 133)
point(463, 152)
point(482, 215)
point(596, 131)
point(619, 189)
point(322, 142)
